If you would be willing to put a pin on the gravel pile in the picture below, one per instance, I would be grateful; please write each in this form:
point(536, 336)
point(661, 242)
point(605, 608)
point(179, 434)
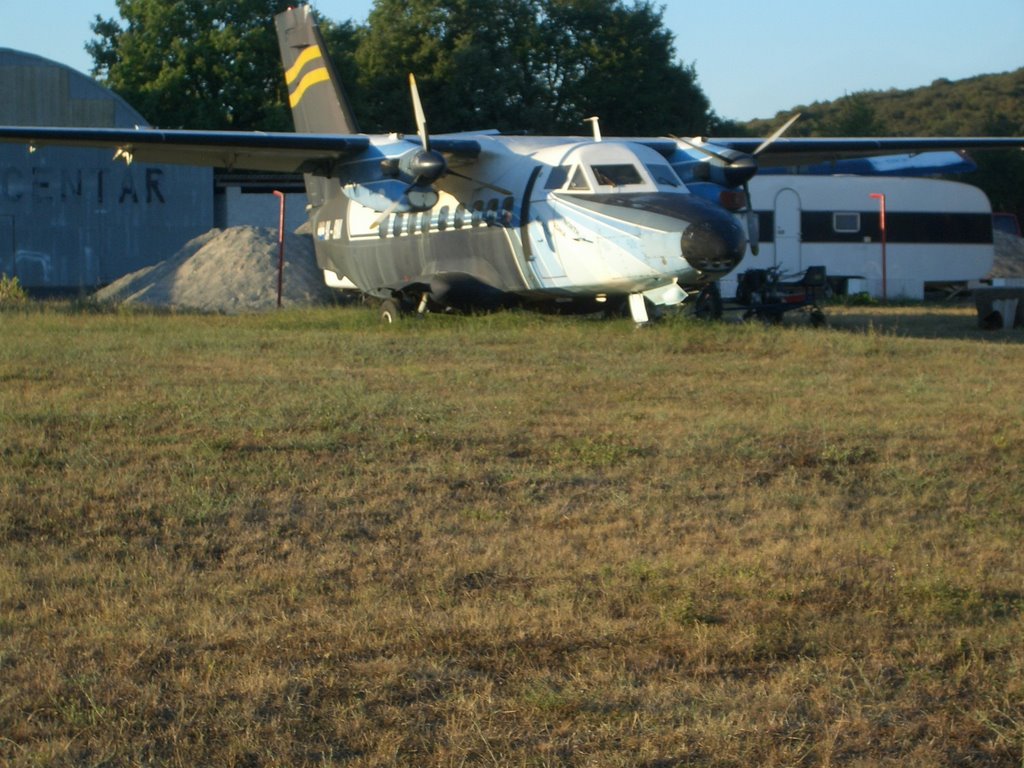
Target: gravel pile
point(231, 270)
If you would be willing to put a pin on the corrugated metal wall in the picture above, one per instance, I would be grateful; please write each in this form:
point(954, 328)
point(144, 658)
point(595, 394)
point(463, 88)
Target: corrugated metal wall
point(74, 218)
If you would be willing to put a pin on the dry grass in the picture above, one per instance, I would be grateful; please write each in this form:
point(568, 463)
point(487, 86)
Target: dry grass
point(304, 539)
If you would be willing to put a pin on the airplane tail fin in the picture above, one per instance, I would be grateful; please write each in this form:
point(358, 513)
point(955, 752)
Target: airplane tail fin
point(316, 95)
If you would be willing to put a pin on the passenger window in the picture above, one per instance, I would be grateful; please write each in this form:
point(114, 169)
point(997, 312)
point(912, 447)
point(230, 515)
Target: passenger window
point(460, 215)
point(579, 181)
point(478, 213)
point(617, 175)
point(557, 177)
point(491, 217)
point(506, 212)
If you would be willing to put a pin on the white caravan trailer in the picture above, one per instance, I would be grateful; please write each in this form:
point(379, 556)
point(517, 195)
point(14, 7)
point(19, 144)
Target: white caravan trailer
point(936, 231)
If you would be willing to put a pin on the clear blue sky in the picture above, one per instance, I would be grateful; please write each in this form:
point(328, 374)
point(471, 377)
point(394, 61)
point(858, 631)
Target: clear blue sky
point(753, 58)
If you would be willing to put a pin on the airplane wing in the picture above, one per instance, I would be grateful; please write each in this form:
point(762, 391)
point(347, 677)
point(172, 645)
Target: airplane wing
point(904, 164)
point(795, 151)
point(466, 149)
point(284, 152)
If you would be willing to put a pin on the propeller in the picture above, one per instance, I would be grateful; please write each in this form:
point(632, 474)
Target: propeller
point(426, 166)
point(738, 168)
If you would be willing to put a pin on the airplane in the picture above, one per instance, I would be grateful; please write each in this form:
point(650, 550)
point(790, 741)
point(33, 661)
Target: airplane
point(482, 220)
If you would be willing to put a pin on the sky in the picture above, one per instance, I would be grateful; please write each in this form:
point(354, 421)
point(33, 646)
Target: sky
point(753, 58)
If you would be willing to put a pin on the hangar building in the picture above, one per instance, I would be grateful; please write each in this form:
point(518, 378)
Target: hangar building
point(71, 218)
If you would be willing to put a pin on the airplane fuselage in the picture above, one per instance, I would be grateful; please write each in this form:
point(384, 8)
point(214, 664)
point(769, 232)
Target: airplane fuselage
point(574, 223)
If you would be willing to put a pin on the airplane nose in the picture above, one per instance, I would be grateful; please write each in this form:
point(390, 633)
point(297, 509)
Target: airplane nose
point(714, 246)
point(712, 240)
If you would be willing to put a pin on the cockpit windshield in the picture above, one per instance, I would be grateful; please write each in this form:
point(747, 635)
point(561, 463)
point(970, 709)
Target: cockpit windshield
point(618, 175)
point(611, 168)
point(663, 175)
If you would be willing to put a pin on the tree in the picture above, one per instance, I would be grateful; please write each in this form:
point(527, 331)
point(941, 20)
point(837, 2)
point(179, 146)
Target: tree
point(538, 65)
point(210, 64)
point(856, 116)
point(604, 58)
point(467, 55)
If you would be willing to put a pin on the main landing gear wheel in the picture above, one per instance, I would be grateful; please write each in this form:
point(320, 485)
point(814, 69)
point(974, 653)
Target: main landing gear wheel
point(390, 311)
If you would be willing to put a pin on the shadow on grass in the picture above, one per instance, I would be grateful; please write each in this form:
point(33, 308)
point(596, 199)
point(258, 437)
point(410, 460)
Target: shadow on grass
point(920, 321)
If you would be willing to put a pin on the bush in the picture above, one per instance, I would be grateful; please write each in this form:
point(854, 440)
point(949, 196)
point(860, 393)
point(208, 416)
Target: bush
point(12, 293)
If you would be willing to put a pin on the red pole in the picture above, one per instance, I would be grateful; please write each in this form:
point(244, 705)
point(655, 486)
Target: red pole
point(881, 221)
point(280, 249)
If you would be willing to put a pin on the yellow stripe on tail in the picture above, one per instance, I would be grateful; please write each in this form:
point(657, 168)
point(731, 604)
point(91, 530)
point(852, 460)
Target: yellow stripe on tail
point(308, 55)
point(316, 76)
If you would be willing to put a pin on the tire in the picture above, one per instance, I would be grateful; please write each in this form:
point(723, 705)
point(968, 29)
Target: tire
point(390, 311)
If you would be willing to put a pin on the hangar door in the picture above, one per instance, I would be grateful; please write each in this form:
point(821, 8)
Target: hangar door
point(787, 231)
point(7, 246)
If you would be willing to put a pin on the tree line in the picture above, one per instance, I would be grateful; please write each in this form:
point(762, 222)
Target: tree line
point(537, 65)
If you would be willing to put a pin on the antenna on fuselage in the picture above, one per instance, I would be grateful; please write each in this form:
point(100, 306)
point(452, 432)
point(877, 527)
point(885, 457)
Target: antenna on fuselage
point(596, 124)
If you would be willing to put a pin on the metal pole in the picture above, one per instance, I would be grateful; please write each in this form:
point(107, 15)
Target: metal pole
point(880, 197)
point(280, 249)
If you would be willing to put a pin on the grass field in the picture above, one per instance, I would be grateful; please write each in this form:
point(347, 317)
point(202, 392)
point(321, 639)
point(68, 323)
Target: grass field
point(302, 539)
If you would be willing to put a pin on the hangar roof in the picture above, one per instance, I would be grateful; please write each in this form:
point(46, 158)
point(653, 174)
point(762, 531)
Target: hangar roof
point(39, 91)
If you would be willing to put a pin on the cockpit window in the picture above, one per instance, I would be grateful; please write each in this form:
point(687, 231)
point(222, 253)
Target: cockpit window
point(617, 175)
point(579, 181)
point(556, 180)
point(663, 174)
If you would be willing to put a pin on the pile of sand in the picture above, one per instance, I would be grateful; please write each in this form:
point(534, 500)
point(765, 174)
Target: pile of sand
point(230, 270)
point(1009, 256)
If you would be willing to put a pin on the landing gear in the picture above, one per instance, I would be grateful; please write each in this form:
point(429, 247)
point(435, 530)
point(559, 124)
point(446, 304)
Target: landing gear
point(399, 306)
point(638, 309)
point(390, 311)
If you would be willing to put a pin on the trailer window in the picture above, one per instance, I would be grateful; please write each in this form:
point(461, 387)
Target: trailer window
point(846, 222)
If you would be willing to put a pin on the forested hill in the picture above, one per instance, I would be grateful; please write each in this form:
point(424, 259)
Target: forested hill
point(986, 105)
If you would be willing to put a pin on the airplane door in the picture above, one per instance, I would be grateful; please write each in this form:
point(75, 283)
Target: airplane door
point(7, 246)
point(542, 253)
point(787, 231)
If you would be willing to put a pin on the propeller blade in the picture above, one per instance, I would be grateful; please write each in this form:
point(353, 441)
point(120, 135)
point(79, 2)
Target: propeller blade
point(386, 213)
point(753, 228)
point(775, 136)
point(702, 149)
point(421, 118)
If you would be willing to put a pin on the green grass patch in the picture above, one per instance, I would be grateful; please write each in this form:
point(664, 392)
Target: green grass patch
point(304, 538)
